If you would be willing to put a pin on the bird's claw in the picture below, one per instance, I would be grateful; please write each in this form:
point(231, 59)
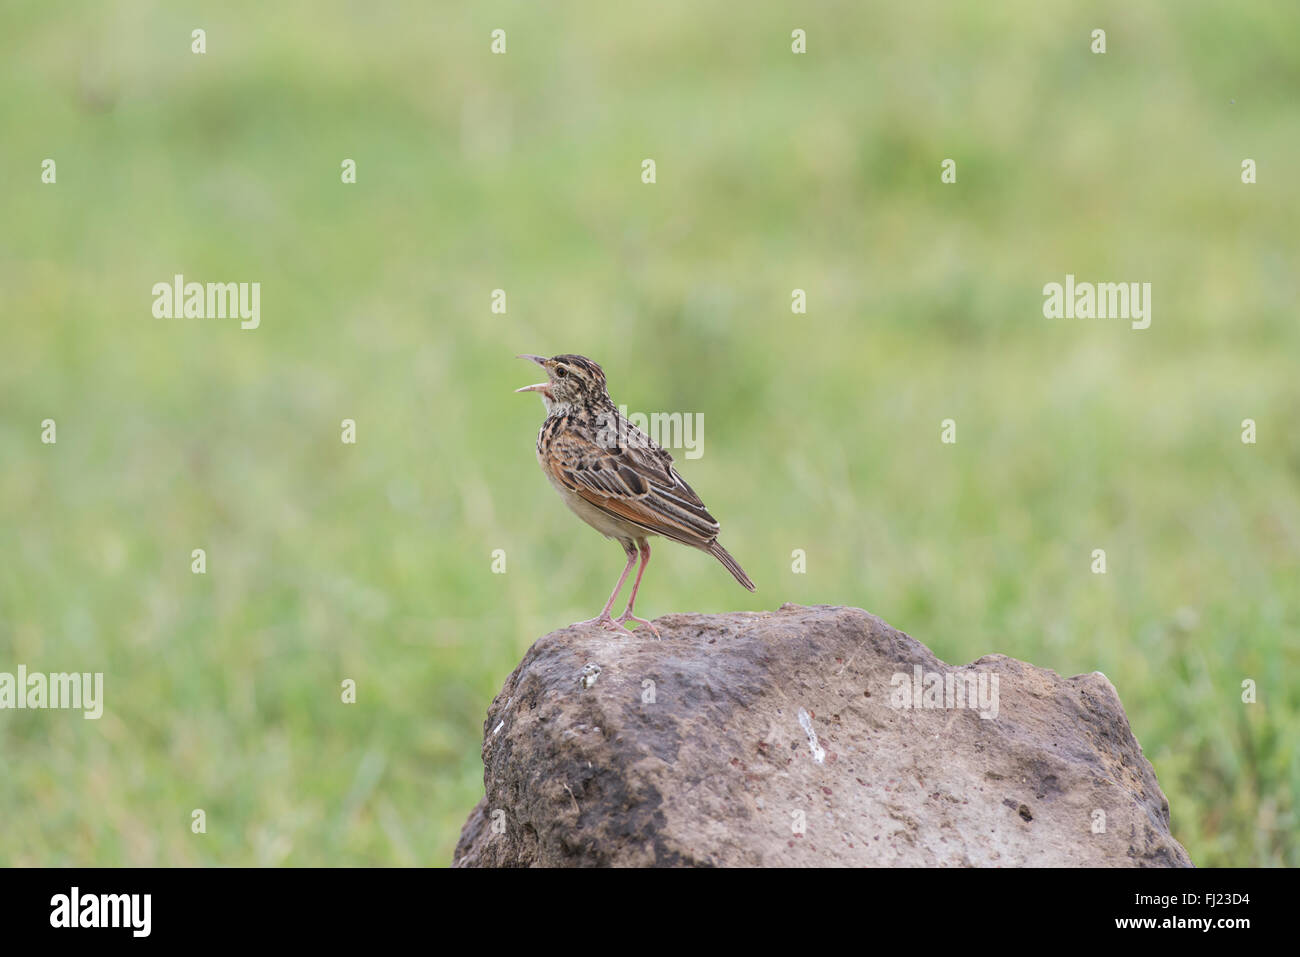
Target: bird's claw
point(606, 622)
point(628, 616)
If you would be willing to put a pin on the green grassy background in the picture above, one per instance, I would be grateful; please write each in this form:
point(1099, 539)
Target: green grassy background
point(328, 561)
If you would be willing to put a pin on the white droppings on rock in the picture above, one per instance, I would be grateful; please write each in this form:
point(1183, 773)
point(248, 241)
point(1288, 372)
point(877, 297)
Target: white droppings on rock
point(805, 722)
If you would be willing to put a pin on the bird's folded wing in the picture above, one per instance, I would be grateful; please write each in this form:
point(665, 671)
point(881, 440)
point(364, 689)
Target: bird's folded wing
point(635, 482)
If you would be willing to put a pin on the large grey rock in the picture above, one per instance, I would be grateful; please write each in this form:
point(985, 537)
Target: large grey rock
point(781, 739)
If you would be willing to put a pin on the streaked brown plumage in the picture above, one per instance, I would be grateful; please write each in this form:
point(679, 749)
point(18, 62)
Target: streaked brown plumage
point(614, 477)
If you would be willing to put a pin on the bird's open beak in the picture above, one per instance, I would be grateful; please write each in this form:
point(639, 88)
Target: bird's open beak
point(542, 387)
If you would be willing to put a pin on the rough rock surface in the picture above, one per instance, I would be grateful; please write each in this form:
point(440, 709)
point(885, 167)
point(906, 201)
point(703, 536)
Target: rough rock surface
point(778, 739)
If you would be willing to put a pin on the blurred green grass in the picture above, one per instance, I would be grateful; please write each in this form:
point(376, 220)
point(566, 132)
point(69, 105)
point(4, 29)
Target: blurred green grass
point(521, 172)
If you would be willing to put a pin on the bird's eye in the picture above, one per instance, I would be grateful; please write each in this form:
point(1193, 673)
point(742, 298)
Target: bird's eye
point(561, 372)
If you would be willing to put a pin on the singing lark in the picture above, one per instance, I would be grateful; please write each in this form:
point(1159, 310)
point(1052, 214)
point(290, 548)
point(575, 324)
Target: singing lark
point(614, 477)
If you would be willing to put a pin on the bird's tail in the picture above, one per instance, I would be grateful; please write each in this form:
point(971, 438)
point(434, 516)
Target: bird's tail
point(733, 566)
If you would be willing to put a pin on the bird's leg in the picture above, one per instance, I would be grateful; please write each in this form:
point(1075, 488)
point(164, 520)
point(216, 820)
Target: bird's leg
point(603, 619)
point(627, 612)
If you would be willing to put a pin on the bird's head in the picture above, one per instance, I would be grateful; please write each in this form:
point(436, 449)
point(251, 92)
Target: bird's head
point(570, 381)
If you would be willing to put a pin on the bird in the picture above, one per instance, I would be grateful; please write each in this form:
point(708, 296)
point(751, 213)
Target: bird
point(615, 477)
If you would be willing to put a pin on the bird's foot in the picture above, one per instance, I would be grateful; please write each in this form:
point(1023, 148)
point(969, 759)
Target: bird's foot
point(628, 616)
point(606, 622)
